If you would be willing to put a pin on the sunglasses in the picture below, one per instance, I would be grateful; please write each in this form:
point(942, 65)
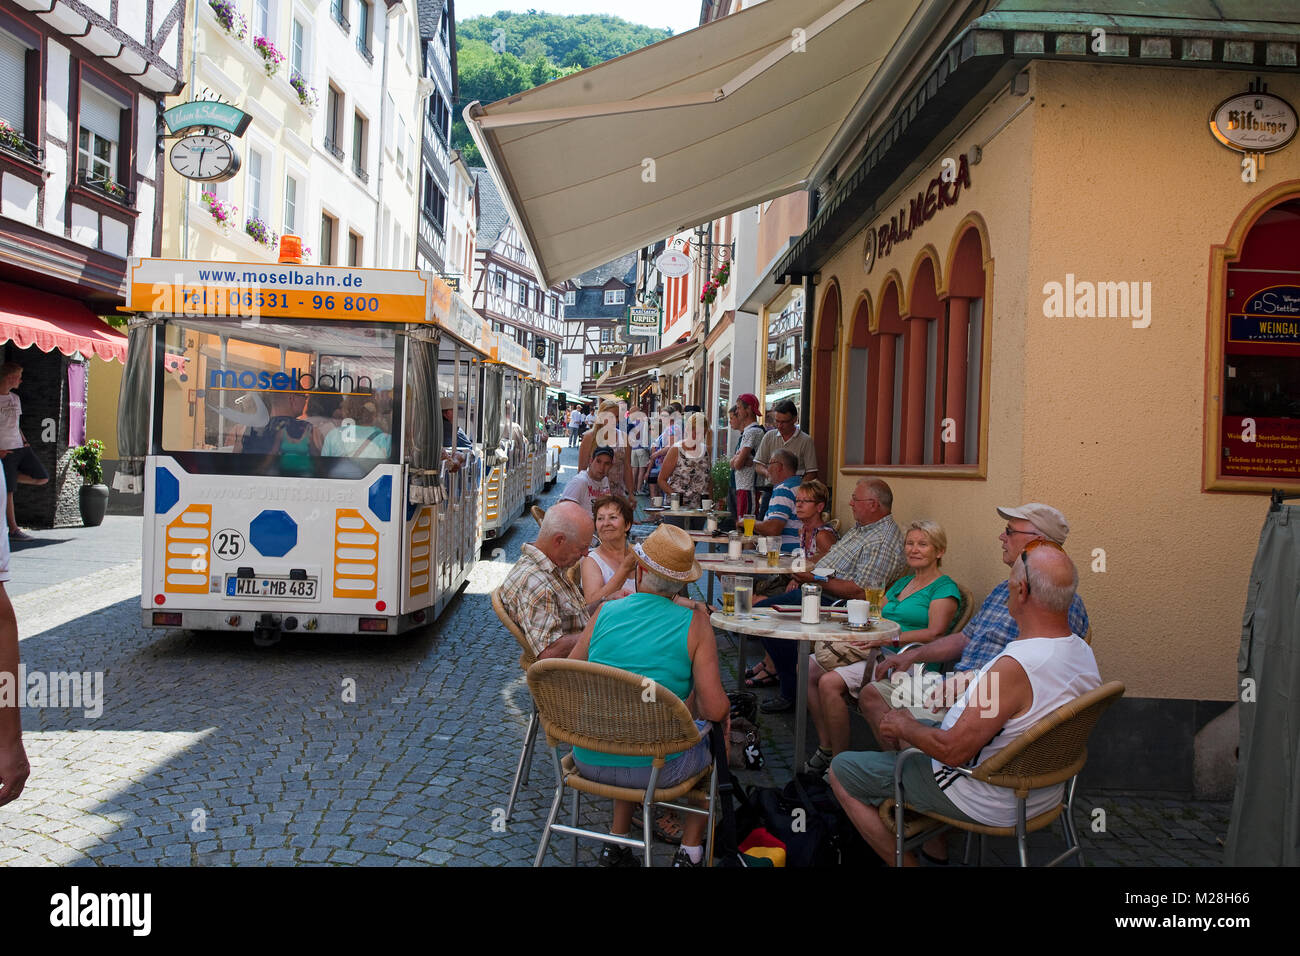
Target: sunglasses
point(1024, 557)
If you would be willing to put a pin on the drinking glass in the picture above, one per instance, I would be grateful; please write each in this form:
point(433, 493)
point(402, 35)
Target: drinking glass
point(728, 594)
point(877, 598)
point(773, 557)
point(749, 525)
point(744, 598)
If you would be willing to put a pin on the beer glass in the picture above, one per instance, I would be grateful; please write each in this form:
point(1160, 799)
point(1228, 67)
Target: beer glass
point(728, 594)
point(877, 598)
point(749, 525)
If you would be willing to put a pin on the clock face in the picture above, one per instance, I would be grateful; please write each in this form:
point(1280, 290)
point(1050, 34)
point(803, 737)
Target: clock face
point(205, 158)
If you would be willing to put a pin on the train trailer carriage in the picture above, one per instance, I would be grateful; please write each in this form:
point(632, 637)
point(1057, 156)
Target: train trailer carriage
point(308, 443)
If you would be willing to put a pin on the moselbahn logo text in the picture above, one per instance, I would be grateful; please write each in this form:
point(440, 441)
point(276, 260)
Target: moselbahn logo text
point(290, 381)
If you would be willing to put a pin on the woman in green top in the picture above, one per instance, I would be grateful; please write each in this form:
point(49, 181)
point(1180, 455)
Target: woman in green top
point(923, 604)
point(668, 639)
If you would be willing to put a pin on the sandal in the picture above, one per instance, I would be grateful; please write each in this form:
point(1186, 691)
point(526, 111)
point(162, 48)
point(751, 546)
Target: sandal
point(666, 829)
point(818, 763)
point(768, 679)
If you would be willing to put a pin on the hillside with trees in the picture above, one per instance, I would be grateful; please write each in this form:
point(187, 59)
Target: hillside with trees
point(507, 53)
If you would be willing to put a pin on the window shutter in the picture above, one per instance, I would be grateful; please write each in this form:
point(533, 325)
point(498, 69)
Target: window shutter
point(99, 114)
point(13, 82)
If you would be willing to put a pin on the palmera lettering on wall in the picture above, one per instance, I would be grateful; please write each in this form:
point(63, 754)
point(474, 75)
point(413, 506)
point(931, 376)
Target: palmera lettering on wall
point(942, 191)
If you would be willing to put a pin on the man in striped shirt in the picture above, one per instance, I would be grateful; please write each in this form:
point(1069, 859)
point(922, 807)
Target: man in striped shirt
point(780, 517)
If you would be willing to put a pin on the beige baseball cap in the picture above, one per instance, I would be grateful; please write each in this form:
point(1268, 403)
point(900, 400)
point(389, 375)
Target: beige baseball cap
point(1050, 522)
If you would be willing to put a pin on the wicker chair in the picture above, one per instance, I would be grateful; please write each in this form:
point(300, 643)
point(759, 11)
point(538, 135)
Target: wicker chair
point(526, 660)
point(1052, 751)
point(538, 513)
point(608, 710)
point(964, 612)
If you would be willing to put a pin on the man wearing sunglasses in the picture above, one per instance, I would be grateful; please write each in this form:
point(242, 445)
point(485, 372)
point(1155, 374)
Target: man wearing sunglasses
point(1046, 666)
point(985, 635)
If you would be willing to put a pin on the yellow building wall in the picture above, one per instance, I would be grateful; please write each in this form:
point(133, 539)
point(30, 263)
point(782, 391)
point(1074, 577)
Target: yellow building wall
point(276, 115)
point(1110, 177)
point(104, 382)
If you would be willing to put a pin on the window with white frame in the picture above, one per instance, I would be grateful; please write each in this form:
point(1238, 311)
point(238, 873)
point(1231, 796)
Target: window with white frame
point(263, 19)
point(570, 297)
point(401, 144)
point(255, 191)
point(298, 49)
point(291, 204)
point(614, 296)
point(523, 293)
point(499, 281)
point(604, 335)
point(100, 128)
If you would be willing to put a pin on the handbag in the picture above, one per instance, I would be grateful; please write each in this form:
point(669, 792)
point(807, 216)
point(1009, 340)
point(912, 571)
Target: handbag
point(833, 654)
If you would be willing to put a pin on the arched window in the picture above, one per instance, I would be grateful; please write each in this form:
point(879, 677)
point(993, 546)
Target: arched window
point(1255, 360)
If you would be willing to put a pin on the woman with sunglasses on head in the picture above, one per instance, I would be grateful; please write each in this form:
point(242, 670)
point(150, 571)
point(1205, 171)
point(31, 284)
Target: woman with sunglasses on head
point(608, 572)
point(816, 537)
point(924, 604)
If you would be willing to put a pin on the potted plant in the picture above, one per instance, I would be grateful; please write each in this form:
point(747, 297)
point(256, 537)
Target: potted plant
point(260, 231)
point(721, 475)
point(271, 56)
point(306, 92)
point(222, 212)
point(88, 462)
point(231, 20)
point(10, 138)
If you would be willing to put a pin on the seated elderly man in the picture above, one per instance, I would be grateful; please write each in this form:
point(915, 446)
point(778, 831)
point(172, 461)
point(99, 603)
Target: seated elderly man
point(1045, 667)
point(668, 639)
point(869, 555)
point(547, 606)
point(780, 518)
point(988, 631)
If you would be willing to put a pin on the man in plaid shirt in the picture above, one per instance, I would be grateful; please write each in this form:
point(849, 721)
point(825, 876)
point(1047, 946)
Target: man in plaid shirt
point(547, 606)
point(985, 635)
point(869, 556)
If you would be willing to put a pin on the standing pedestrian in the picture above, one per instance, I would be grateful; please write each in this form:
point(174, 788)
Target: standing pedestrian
point(20, 462)
point(14, 767)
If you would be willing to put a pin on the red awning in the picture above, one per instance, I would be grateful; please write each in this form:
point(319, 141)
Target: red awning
point(31, 317)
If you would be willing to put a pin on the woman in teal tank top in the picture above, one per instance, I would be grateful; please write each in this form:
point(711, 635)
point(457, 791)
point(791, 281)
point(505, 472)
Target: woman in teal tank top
point(656, 634)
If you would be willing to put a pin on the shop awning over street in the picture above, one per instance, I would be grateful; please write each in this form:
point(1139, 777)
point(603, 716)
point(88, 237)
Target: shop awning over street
point(734, 113)
point(30, 317)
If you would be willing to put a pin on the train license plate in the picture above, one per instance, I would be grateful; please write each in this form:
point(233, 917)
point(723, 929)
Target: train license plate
point(272, 586)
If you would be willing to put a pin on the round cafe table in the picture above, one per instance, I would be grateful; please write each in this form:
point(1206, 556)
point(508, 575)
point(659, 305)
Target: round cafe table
point(769, 622)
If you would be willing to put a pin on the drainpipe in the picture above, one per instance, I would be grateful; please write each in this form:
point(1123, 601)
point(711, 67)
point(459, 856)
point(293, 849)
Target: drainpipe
point(189, 183)
point(389, 13)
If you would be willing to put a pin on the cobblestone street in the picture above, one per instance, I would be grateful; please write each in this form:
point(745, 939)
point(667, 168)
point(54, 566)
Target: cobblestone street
point(212, 752)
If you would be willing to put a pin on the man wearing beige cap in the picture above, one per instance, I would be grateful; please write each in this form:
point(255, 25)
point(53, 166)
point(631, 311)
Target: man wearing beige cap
point(985, 635)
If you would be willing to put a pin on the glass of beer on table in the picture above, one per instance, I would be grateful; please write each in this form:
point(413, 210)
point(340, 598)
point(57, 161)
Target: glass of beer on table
point(877, 598)
point(728, 594)
point(749, 525)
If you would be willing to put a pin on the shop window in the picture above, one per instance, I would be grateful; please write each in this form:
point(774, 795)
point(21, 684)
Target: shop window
point(1258, 425)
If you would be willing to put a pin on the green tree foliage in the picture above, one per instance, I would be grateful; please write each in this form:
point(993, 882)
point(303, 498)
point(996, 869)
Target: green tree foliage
point(536, 48)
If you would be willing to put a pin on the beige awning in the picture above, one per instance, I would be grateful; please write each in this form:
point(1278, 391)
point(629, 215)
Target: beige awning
point(734, 113)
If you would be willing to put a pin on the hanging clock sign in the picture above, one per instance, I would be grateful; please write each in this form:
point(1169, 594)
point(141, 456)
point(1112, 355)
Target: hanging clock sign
point(203, 152)
point(1254, 122)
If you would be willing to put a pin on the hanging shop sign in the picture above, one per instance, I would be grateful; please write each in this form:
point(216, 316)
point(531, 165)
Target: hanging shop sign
point(942, 191)
point(673, 264)
point(203, 152)
point(642, 321)
point(1254, 122)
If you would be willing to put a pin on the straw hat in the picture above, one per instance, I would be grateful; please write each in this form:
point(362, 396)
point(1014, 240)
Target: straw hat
point(669, 552)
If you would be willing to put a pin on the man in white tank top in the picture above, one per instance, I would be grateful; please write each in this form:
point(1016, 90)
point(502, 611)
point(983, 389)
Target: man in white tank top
point(1043, 669)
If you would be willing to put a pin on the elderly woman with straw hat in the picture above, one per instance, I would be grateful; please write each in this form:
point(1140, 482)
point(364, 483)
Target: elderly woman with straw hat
point(656, 634)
